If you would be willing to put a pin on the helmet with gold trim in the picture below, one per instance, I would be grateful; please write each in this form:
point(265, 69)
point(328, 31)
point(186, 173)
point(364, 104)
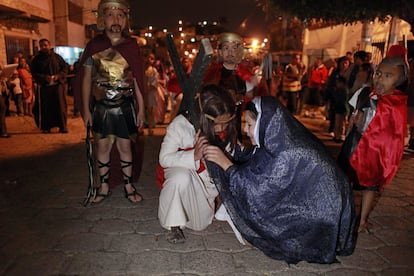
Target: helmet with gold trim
point(232, 38)
point(111, 4)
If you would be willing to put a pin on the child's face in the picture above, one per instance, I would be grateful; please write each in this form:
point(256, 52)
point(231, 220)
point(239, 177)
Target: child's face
point(386, 78)
point(228, 52)
point(249, 127)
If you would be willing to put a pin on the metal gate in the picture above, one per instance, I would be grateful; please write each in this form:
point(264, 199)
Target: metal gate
point(14, 44)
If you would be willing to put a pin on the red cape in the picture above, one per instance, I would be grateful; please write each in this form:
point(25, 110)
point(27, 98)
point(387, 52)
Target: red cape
point(213, 73)
point(213, 76)
point(379, 151)
point(130, 50)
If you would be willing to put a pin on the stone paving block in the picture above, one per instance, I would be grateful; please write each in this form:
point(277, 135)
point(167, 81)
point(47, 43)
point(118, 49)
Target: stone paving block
point(393, 191)
point(144, 211)
point(224, 226)
point(76, 190)
point(393, 201)
point(60, 201)
point(98, 212)
point(317, 268)
point(393, 271)
point(410, 200)
point(14, 226)
point(61, 227)
point(57, 214)
point(47, 263)
point(254, 260)
point(155, 263)
point(398, 256)
point(4, 239)
point(397, 238)
point(27, 243)
point(113, 226)
point(132, 243)
point(348, 272)
point(83, 242)
point(369, 241)
point(18, 214)
point(208, 263)
point(97, 263)
point(149, 227)
point(192, 243)
point(5, 262)
point(224, 243)
point(395, 223)
point(390, 211)
point(366, 260)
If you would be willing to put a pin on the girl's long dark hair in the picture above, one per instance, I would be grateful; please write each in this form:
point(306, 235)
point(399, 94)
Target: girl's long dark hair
point(216, 101)
point(250, 107)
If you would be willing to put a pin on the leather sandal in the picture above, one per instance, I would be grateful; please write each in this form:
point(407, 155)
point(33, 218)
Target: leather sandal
point(132, 195)
point(176, 235)
point(104, 179)
point(101, 195)
point(128, 181)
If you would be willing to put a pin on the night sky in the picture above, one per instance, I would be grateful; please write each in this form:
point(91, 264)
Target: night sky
point(160, 15)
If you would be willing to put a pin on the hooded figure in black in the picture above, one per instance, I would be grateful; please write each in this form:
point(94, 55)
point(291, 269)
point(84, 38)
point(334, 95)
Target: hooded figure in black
point(289, 198)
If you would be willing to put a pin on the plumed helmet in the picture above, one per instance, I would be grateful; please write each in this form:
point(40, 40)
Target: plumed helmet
point(113, 4)
point(233, 38)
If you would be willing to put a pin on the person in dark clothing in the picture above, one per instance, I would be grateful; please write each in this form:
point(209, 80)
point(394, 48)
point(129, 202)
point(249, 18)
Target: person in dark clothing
point(3, 109)
point(360, 57)
point(339, 105)
point(49, 70)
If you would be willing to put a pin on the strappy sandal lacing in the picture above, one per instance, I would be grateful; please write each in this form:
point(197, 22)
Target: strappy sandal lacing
point(128, 181)
point(104, 179)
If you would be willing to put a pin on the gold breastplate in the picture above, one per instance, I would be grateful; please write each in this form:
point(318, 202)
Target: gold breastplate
point(111, 76)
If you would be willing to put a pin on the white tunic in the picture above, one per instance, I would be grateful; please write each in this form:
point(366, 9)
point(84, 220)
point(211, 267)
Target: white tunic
point(187, 197)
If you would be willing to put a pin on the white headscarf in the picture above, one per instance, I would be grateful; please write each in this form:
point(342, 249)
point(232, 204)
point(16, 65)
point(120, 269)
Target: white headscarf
point(258, 105)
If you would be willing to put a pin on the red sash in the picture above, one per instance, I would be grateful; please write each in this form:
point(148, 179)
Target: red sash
point(159, 172)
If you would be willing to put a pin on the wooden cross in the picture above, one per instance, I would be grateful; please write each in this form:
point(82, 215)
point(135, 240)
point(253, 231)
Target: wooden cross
point(190, 85)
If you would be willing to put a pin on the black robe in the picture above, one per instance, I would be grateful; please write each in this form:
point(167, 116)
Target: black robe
point(50, 107)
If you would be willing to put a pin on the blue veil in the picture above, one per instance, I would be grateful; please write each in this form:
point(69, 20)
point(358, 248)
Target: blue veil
point(289, 199)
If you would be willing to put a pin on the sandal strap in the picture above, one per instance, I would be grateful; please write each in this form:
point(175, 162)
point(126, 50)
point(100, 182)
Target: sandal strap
point(104, 178)
point(128, 179)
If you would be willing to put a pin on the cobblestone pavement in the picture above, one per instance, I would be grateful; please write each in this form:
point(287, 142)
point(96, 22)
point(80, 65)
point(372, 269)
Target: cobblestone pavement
point(44, 230)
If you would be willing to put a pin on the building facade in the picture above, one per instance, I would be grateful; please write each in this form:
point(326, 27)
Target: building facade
point(64, 22)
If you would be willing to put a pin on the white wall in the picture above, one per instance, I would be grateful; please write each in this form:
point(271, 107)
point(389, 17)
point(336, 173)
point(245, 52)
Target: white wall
point(76, 37)
point(342, 38)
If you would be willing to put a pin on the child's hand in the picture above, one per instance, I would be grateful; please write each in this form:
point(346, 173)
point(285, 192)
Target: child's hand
point(200, 144)
point(216, 155)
